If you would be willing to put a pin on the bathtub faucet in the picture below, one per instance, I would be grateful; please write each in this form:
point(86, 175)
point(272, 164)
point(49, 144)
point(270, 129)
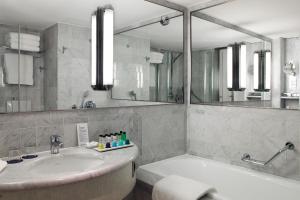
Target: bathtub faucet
point(55, 144)
point(247, 158)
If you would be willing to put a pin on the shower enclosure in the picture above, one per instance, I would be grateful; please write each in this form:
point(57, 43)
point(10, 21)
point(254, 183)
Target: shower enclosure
point(205, 75)
point(167, 85)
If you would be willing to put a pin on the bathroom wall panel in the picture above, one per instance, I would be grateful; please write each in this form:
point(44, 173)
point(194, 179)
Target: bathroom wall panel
point(157, 130)
point(226, 133)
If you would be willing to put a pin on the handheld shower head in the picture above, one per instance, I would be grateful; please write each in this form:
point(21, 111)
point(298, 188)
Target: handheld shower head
point(84, 96)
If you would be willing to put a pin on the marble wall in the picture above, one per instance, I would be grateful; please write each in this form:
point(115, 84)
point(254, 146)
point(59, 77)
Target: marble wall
point(50, 36)
point(226, 133)
point(157, 137)
point(131, 67)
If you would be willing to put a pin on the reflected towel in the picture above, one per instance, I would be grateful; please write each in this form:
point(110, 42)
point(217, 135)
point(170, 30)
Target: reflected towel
point(156, 57)
point(179, 188)
point(23, 36)
point(3, 164)
point(11, 69)
point(24, 47)
point(22, 42)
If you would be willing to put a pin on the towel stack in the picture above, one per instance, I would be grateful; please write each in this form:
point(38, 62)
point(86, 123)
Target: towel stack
point(28, 42)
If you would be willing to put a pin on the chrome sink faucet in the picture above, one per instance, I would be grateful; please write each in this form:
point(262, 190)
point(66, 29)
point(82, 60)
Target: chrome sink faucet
point(55, 144)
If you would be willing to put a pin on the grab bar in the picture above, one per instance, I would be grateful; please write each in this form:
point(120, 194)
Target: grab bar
point(247, 158)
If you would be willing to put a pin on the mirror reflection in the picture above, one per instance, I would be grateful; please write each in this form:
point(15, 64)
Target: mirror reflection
point(50, 68)
point(149, 62)
point(21, 89)
point(229, 67)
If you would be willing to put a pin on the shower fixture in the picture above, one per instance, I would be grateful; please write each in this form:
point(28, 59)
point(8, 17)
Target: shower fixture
point(290, 68)
point(84, 96)
point(165, 21)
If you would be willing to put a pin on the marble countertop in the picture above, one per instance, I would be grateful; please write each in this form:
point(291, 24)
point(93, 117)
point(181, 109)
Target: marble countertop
point(40, 172)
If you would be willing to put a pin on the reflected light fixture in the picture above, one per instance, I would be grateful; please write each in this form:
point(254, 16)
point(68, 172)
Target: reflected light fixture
point(236, 67)
point(102, 44)
point(262, 71)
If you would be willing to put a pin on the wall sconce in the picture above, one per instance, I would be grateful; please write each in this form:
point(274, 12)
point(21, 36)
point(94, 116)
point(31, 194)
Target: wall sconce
point(262, 71)
point(236, 67)
point(102, 42)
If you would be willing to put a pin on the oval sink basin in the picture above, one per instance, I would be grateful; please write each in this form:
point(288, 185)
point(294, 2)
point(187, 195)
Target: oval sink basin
point(66, 164)
point(71, 165)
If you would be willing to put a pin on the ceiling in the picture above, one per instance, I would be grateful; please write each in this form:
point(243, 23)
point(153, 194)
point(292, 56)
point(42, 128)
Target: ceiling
point(40, 14)
point(273, 18)
point(168, 37)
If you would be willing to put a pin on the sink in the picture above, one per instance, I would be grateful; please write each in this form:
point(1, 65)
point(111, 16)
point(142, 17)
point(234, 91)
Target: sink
point(73, 164)
point(66, 163)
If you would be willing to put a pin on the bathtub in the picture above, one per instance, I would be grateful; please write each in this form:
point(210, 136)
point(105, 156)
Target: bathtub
point(231, 182)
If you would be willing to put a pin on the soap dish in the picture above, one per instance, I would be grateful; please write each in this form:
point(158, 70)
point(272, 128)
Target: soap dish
point(31, 156)
point(14, 161)
point(114, 148)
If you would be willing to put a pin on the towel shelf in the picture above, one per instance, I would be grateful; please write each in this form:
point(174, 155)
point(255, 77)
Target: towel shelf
point(35, 54)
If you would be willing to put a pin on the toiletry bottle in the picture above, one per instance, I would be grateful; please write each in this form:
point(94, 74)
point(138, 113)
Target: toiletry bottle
point(124, 136)
point(101, 144)
point(114, 140)
point(107, 138)
point(119, 135)
point(126, 140)
point(120, 141)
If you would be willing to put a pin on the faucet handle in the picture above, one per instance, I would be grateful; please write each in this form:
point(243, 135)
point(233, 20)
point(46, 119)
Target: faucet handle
point(55, 138)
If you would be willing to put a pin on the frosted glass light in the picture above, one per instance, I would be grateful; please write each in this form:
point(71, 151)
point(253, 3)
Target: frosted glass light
point(229, 66)
point(256, 71)
point(94, 50)
point(268, 70)
point(108, 47)
point(243, 66)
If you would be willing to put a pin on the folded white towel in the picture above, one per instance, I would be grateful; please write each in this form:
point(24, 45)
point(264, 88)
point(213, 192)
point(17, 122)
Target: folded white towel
point(3, 164)
point(22, 42)
point(24, 47)
point(179, 188)
point(11, 69)
point(15, 35)
point(156, 57)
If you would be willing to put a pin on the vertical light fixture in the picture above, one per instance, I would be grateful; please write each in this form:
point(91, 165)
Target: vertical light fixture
point(262, 71)
point(102, 40)
point(229, 66)
point(236, 67)
point(268, 60)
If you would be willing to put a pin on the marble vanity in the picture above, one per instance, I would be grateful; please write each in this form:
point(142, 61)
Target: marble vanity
point(74, 173)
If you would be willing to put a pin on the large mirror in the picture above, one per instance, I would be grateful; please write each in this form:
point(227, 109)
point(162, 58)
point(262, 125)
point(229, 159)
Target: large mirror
point(229, 67)
point(45, 63)
point(246, 23)
point(149, 62)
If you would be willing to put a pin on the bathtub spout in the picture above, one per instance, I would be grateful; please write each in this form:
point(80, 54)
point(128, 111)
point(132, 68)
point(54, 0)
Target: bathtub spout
point(247, 158)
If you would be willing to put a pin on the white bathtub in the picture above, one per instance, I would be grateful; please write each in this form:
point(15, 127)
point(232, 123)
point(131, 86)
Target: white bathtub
point(231, 182)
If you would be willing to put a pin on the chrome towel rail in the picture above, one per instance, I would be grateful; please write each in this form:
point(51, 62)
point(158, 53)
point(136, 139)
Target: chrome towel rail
point(247, 158)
